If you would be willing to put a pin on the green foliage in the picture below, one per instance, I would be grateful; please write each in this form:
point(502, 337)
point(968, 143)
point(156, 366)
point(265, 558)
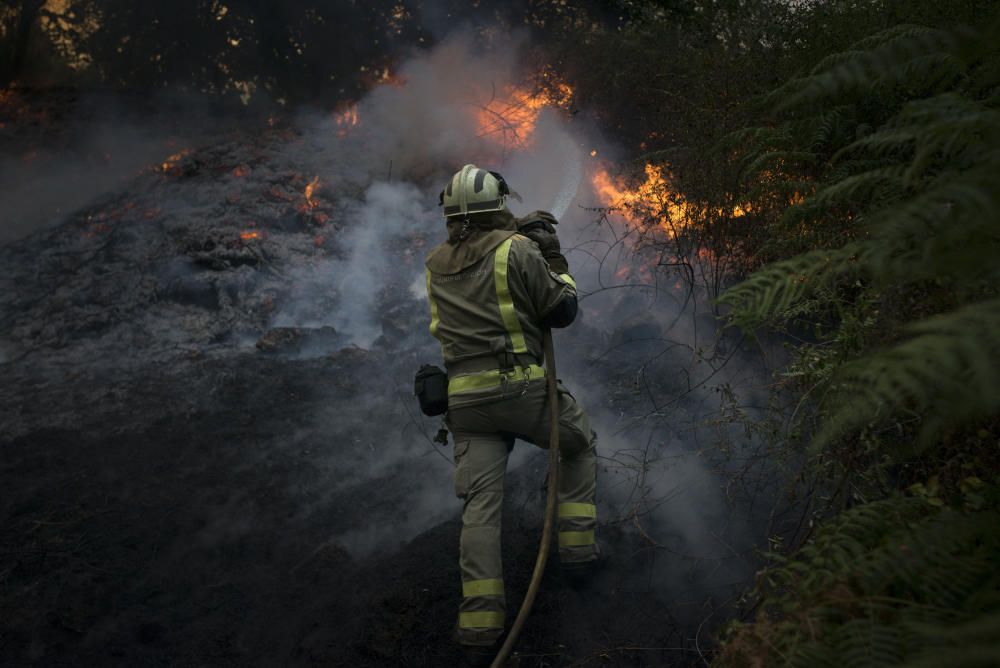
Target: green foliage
point(915, 200)
point(947, 371)
point(903, 581)
point(903, 55)
point(776, 288)
point(888, 260)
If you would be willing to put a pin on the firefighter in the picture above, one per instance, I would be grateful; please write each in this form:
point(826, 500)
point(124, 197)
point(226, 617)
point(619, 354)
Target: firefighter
point(493, 286)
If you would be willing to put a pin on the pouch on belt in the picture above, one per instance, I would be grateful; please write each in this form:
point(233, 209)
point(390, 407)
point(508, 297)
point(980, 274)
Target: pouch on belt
point(430, 386)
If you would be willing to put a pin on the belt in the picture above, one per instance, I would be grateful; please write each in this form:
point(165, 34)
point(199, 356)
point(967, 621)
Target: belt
point(484, 380)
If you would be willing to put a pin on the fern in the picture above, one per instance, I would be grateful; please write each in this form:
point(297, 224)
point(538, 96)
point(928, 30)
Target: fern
point(950, 230)
point(896, 582)
point(775, 289)
point(856, 189)
point(948, 371)
point(777, 158)
point(897, 56)
point(923, 205)
point(905, 130)
point(972, 643)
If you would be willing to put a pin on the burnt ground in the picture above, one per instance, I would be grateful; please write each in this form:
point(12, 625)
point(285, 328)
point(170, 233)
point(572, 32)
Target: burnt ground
point(184, 540)
point(200, 468)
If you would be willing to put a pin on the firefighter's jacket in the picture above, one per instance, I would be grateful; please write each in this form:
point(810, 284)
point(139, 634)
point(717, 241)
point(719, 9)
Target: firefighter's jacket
point(490, 296)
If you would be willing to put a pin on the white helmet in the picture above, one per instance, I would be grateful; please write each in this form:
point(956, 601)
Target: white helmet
point(473, 190)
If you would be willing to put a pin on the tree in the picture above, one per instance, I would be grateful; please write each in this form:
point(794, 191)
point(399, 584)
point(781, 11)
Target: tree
point(25, 13)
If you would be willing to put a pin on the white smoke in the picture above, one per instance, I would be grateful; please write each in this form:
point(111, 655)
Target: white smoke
point(49, 170)
point(388, 214)
point(421, 131)
point(426, 129)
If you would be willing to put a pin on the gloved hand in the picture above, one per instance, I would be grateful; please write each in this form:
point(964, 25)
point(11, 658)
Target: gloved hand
point(539, 226)
point(543, 234)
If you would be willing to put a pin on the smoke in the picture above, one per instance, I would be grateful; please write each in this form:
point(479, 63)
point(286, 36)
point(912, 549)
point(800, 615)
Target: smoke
point(419, 132)
point(655, 339)
point(388, 214)
point(39, 189)
point(645, 360)
point(51, 167)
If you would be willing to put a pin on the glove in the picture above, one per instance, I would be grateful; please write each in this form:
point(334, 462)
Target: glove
point(539, 226)
point(547, 240)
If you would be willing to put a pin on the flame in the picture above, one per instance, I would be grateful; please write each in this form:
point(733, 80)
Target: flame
point(388, 78)
point(346, 119)
point(512, 118)
point(652, 202)
point(311, 202)
point(250, 235)
point(310, 189)
point(636, 273)
point(241, 171)
point(171, 164)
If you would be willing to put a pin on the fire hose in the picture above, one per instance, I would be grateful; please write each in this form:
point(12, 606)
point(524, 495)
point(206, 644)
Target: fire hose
point(550, 504)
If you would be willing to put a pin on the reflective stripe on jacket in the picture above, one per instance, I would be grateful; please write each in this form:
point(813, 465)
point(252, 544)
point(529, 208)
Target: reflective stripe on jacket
point(490, 308)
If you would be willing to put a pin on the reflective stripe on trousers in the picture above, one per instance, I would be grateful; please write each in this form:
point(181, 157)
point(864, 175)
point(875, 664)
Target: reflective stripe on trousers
point(576, 522)
point(485, 594)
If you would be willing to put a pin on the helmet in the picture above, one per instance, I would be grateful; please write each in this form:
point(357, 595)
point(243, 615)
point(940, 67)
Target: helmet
point(473, 190)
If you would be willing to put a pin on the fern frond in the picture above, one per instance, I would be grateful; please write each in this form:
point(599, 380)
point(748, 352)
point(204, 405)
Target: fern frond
point(972, 643)
point(776, 287)
point(869, 642)
point(943, 128)
point(984, 654)
point(829, 123)
point(756, 138)
point(911, 118)
point(861, 47)
point(879, 145)
point(904, 54)
point(781, 159)
point(857, 189)
point(889, 35)
point(888, 583)
point(950, 363)
point(951, 229)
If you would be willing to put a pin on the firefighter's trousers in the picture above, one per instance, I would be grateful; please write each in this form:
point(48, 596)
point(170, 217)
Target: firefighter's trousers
point(483, 435)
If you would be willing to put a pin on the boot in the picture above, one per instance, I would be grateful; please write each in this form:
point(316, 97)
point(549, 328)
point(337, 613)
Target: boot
point(579, 575)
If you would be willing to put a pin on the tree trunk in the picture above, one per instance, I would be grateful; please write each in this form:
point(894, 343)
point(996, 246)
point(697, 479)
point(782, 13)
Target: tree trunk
point(26, 19)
